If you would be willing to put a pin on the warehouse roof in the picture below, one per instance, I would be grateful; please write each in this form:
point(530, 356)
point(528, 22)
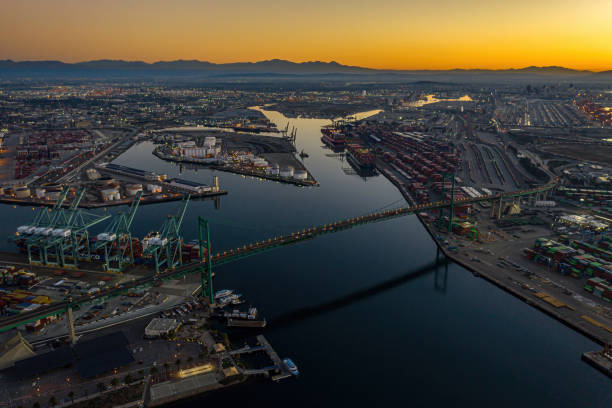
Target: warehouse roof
point(100, 363)
point(101, 344)
point(43, 363)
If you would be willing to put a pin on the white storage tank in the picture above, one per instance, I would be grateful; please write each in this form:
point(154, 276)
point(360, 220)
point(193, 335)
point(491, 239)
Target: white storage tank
point(286, 171)
point(22, 192)
point(300, 175)
point(132, 189)
point(273, 171)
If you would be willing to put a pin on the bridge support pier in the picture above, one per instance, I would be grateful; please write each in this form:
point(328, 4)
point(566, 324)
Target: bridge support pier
point(70, 322)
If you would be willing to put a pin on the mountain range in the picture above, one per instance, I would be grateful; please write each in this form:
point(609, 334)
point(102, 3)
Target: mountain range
point(275, 66)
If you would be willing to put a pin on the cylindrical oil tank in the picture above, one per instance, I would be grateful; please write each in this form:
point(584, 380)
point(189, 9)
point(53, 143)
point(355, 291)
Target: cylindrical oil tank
point(132, 189)
point(300, 175)
point(286, 171)
point(22, 192)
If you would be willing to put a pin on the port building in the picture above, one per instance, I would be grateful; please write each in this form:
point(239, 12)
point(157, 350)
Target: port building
point(159, 327)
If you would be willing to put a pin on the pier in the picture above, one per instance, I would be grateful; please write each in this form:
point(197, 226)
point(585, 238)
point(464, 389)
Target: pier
point(278, 371)
point(601, 360)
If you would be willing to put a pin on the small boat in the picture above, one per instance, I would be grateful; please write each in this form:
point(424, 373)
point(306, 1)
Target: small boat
point(226, 300)
point(291, 366)
point(303, 154)
point(223, 293)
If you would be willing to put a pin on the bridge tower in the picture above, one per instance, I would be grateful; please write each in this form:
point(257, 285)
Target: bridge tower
point(451, 177)
point(206, 272)
point(70, 322)
point(117, 239)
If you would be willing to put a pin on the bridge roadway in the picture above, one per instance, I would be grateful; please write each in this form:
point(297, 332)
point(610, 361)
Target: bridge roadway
point(249, 250)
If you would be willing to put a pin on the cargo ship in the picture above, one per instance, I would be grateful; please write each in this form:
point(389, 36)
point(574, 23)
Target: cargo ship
point(361, 157)
point(333, 137)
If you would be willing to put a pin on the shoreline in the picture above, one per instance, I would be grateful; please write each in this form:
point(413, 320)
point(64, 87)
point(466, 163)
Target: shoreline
point(89, 205)
point(507, 286)
point(302, 183)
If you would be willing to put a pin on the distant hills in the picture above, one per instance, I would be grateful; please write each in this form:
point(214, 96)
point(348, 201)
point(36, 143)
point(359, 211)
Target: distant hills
point(204, 69)
point(270, 66)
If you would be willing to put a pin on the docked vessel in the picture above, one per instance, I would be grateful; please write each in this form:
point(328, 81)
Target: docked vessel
point(222, 293)
point(233, 299)
point(291, 366)
point(333, 137)
point(237, 318)
point(361, 157)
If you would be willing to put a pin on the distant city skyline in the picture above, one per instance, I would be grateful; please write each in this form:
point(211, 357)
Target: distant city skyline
point(389, 34)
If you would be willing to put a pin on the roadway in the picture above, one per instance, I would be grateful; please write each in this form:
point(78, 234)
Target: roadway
point(249, 250)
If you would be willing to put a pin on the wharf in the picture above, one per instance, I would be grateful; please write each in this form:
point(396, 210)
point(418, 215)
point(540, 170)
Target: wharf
point(569, 312)
point(572, 317)
point(91, 205)
point(278, 363)
point(279, 370)
point(309, 182)
point(600, 360)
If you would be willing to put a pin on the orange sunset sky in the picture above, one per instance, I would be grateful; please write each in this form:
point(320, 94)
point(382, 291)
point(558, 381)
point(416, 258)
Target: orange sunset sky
point(393, 34)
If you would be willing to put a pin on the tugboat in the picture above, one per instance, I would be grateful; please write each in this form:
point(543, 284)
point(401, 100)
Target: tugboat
point(222, 293)
point(291, 366)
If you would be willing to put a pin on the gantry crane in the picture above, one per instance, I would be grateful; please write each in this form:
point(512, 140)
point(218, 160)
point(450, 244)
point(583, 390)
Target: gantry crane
point(68, 241)
point(117, 239)
point(43, 220)
point(164, 246)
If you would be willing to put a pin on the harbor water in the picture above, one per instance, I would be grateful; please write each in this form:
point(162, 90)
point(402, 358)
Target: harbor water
point(364, 313)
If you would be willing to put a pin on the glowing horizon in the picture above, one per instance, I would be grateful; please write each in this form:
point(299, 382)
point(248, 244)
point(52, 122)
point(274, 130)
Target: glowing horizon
point(388, 34)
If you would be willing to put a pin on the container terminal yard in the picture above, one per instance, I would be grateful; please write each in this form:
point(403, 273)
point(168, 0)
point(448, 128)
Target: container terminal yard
point(147, 307)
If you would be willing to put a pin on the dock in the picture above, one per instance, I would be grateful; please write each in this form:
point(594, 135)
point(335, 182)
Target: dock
point(277, 372)
point(92, 205)
point(601, 360)
point(309, 182)
point(279, 364)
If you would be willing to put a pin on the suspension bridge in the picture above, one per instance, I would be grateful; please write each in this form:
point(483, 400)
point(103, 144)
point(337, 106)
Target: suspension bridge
point(207, 260)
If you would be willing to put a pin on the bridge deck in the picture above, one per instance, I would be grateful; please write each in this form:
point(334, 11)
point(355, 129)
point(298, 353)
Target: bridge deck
point(252, 249)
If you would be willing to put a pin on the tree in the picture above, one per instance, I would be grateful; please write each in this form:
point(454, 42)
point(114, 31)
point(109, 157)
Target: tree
point(128, 379)
point(53, 401)
point(114, 382)
point(166, 365)
point(101, 387)
point(71, 396)
point(178, 362)
point(189, 359)
point(153, 370)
